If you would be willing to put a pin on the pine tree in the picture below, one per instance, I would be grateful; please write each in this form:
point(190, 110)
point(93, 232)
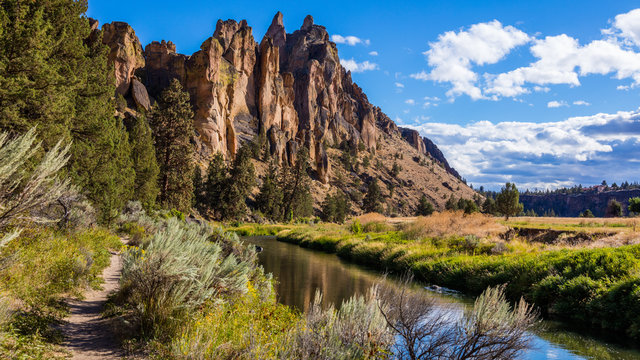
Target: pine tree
point(296, 186)
point(238, 186)
point(270, 198)
point(425, 208)
point(214, 185)
point(335, 208)
point(373, 200)
point(172, 124)
point(143, 155)
point(53, 78)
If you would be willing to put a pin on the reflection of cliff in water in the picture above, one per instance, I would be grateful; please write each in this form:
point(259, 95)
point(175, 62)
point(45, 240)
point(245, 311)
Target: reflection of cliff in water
point(300, 272)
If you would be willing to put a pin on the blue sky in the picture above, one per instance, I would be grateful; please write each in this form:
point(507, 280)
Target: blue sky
point(543, 93)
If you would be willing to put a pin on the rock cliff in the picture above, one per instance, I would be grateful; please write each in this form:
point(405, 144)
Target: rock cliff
point(289, 87)
point(571, 205)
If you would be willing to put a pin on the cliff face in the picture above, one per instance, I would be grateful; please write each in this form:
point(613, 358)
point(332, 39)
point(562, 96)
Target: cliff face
point(289, 87)
point(427, 147)
point(571, 205)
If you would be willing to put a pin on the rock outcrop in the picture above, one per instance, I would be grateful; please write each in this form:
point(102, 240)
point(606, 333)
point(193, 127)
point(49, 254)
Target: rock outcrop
point(572, 205)
point(126, 53)
point(435, 153)
point(290, 87)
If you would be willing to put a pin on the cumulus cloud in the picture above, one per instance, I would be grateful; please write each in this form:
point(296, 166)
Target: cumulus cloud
point(559, 59)
point(556, 104)
point(410, 102)
point(349, 40)
point(549, 154)
point(454, 53)
point(357, 67)
point(373, 53)
point(581, 103)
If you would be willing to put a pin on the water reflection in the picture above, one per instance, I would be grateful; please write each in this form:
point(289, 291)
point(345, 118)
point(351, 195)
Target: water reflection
point(300, 272)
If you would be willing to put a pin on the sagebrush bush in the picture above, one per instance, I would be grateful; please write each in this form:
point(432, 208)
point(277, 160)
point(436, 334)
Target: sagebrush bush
point(176, 273)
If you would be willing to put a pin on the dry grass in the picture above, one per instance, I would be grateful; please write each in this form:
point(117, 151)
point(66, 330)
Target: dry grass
point(450, 223)
point(613, 225)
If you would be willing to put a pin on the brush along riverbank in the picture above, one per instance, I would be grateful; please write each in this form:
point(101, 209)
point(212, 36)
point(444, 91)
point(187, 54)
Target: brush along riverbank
point(592, 284)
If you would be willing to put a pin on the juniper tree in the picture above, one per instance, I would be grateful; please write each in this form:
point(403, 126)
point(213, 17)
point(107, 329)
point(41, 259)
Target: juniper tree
point(144, 162)
point(425, 208)
point(335, 208)
point(508, 201)
point(634, 205)
point(238, 186)
point(296, 186)
point(172, 124)
point(53, 77)
point(373, 200)
point(270, 198)
point(214, 185)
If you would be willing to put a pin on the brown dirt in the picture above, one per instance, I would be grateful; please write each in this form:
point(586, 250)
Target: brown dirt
point(89, 336)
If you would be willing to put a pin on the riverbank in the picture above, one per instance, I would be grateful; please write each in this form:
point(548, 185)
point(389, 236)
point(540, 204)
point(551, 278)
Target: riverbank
point(594, 287)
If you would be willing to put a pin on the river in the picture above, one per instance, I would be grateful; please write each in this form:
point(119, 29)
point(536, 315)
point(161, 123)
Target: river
point(300, 272)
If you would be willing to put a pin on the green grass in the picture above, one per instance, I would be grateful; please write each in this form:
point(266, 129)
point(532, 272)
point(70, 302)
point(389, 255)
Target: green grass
point(38, 270)
point(598, 288)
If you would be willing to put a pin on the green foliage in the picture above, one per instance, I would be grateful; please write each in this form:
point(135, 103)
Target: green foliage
point(270, 197)
point(214, 184)
point(356, 227)
point(586, 214)
point(634, 205)
point(175, 274)
point(614, 209)
point(395, 169)
point(373, 200)
point(335, 208)
point(238, 186)
point(425, 208)
point(296, 187)
point(172, 124)
point(508, 201)
point(143, 155)
point(52, 78)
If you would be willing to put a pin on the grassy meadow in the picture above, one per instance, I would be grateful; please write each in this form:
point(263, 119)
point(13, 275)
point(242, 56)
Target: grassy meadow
point(582, 271)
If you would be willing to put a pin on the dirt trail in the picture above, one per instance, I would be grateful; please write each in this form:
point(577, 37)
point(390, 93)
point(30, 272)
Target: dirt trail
point(88, 335)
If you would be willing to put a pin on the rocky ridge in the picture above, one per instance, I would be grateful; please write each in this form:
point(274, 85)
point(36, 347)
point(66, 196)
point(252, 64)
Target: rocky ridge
point(290, 87)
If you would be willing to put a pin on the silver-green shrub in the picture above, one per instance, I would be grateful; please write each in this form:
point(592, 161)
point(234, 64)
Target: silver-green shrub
point(177, 272)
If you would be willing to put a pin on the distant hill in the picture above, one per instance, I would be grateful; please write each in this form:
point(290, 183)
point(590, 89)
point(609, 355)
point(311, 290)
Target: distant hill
point(571, 205)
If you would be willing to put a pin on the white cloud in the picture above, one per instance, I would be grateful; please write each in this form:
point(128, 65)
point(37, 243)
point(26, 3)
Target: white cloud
point(349, 40)
point(628, 25)
point(399, 85)
point(410, 102)
point(560, 59)
point(432, 98)
point(356, 67)
point(556, 104)
point(581, 103)
point(623, 87)
point(373, 53)
point(454, 53)
point(541, 154)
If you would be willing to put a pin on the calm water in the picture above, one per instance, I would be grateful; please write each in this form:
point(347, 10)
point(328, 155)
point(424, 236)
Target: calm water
point(300, 272)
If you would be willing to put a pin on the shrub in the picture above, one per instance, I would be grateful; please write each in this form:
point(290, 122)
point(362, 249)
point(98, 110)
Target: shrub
point(177, 272)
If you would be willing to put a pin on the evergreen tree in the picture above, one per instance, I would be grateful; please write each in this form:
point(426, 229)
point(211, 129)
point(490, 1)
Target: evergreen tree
point(373, 200)
point(451, 204)
point(52, 77)
point(270, 198)
point(214, 186)
point(634, 205)
point(198, 200)
point(425, 208)
point(614, 209)
point(587, 214)
point(238, 186)
point(489, 206)
point(296, 187)
point(508, 201)
point(335, 208)
point(172, 124)
point(144, 162)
